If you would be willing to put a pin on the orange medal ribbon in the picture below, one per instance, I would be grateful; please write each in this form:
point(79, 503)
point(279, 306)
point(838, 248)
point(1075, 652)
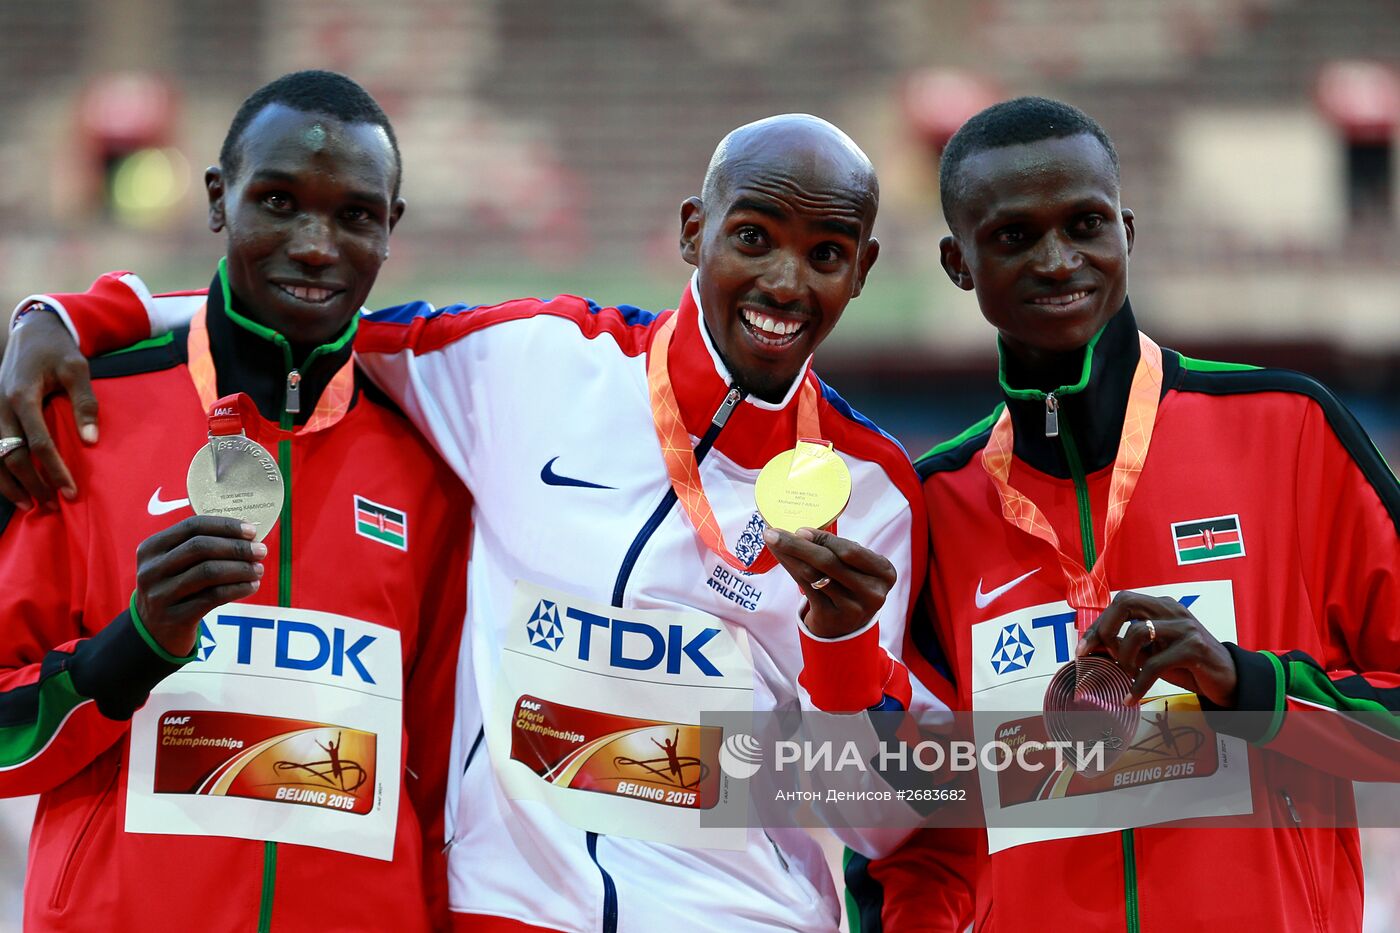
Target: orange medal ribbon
point(1088, 589)
point(330, 408)
point(679, 455)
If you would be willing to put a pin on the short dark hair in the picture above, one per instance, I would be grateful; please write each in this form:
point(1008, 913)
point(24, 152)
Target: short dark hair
point(1014, 123)
point(325, 92)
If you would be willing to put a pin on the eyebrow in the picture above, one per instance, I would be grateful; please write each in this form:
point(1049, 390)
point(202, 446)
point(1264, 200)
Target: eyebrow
point(768, 209)
point(277, 176)
point(1018, 215)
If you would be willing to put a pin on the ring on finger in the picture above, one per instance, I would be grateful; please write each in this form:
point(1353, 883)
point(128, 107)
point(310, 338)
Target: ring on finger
point(821, 584)
point(9, 445)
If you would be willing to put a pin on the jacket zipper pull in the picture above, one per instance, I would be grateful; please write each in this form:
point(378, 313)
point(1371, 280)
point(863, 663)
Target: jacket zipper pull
point(726, 408)
point(294, 392)
point(1292, 811)
point(1052, 415)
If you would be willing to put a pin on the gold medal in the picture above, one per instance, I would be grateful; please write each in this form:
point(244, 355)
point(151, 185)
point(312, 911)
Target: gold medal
point(806, 487)
point(234, 475)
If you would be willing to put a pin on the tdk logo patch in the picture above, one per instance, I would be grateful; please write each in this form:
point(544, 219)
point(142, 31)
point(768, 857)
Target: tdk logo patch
point(299, 646)
point(629, 645)
point(207, 644)
point(544, 628)
point(1013, 650)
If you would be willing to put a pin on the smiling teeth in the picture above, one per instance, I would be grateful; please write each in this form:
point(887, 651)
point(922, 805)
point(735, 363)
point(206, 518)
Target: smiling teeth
point(771, 325)
point(305, 293)
point(1061, 299)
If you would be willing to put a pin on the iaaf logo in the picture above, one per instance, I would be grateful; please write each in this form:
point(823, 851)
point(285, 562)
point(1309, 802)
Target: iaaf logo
point(630, 645)
point(1015, 648)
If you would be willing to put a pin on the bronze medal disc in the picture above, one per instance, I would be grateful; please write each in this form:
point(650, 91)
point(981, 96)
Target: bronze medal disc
point(248, 485)
point(1086, 704)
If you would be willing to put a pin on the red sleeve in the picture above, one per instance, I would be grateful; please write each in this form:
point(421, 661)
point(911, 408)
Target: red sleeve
point(113, 313)
point(927, 885)
point(64, 698)
point(1348, 507)
point(430, 697)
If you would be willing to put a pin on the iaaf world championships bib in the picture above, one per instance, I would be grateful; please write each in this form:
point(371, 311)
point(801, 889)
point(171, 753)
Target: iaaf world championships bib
point(286, 727)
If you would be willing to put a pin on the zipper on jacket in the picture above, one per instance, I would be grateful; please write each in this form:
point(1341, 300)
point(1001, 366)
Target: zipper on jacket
point(1081, 484)
point(721, 417)
point(293, 404)
point(466, 766)
point(717, 423)
point(1086, 536)
point(1314, 898)
point(81, 842)
point(284, 600)
point(1130, 889)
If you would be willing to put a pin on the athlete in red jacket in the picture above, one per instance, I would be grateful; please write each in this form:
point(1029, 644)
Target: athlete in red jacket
point(1255, 563)
point(277, 763)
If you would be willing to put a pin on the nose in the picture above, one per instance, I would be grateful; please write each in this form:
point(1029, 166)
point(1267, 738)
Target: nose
point(1056, 257)
point(313, 244)
point(782, 279)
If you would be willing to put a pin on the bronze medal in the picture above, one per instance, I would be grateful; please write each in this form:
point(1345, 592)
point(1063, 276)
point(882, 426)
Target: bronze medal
point(1086, 704)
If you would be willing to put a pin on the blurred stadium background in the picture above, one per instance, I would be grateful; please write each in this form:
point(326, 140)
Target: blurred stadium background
point(547, 146)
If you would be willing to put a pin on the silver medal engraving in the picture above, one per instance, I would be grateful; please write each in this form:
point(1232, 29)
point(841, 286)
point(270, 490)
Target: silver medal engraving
point(238, 478)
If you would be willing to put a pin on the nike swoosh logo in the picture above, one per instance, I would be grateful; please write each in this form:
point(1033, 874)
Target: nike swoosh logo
point(554, 479)
point(159, 506)
point(984, 600)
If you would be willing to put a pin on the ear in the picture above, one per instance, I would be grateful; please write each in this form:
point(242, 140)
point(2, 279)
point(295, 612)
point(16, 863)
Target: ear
point(692, 223)
point(1128, 228)
point(214, 187)
point(396, 212)
point(867, 260)
point(950, 254)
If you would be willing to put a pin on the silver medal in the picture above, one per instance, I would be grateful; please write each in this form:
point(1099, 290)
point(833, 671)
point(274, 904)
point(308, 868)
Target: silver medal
point(238, 478)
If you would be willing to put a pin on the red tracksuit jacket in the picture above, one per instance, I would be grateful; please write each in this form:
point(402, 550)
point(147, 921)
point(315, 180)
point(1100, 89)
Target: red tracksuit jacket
point(1302, 515)
point(74, 664)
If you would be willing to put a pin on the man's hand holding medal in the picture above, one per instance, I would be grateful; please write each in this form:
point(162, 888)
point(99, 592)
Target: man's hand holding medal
point(800, 494)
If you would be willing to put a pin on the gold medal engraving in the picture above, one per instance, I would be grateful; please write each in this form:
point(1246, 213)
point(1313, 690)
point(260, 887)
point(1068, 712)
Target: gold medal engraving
point(245, 484)
point(806, 487)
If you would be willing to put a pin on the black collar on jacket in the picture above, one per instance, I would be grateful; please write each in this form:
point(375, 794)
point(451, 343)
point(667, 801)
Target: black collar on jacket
point(1091, 410)
point(256, 360)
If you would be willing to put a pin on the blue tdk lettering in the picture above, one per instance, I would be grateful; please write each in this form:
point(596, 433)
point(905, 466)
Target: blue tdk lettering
point(245, 626)
point(637, 646)
point(1063, 623)
point(285, 631)
point(302, 646)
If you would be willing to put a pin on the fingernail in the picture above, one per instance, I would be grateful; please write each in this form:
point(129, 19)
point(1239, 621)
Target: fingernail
point(24, 505)
point(770, 536)
point(248, 530)
point(1079, 648)
point(256, 584)
point(806, 534)
point(258, 569)
point(69, 493)
point(259, 550)
point(88, 433)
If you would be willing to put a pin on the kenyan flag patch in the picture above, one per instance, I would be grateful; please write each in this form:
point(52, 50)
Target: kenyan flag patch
point(1208, 539)
point(383, 524)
